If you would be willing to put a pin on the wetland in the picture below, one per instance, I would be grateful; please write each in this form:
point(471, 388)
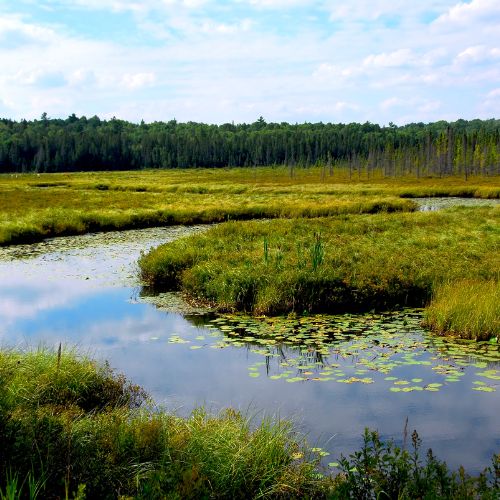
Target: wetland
point(342, 306)
point(333, 375)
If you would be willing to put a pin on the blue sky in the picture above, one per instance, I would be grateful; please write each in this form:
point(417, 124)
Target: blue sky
point(223, 61)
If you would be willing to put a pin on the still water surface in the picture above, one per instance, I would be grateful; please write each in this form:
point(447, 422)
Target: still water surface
point(332, 375)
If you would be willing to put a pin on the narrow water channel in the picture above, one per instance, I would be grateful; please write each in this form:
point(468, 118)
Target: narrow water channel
point(333, 375)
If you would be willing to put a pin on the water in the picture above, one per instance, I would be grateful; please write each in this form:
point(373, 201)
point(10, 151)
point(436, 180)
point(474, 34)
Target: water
point(431, 204)
point(332, 375)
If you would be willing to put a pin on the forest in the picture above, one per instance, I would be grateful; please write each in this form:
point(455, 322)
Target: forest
point(442, 148)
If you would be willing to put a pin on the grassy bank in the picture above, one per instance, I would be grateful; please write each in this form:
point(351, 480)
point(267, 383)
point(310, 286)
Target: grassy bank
point(35, 207)
point(70, 428)
point(349, 263)
point(70, 425)
point(467, 308)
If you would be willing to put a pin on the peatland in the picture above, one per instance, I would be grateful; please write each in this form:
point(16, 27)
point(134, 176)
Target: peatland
point(39, 206)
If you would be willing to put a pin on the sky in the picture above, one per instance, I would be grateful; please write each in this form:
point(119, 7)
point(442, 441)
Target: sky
point(226, 61)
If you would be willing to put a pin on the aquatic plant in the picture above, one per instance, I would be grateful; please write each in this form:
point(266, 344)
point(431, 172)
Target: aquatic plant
point(378, 350)
point(317, 252)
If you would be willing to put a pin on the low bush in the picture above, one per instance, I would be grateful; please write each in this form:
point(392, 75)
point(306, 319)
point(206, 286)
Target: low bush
point(382, 470)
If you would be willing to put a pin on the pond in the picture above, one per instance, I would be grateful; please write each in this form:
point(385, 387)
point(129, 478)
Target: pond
point(332, 375)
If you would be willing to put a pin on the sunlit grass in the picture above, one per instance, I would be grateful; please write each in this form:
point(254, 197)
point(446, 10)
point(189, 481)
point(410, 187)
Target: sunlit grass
point(55, 445)
point(70, 424)
point(39, 206)
point(467, 309)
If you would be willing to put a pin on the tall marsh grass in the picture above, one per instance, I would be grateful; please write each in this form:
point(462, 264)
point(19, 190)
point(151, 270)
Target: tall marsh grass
point(54, 444)
point(466, 308)
point(70, 426)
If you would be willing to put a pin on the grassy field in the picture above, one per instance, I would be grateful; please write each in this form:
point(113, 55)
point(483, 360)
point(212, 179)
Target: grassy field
point(35, 207)
point(350, 261)
point(337, 264)
point(71, 428)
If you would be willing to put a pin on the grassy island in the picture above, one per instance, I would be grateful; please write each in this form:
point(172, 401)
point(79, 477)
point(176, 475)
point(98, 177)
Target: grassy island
point(339, 241)
point(345, 263)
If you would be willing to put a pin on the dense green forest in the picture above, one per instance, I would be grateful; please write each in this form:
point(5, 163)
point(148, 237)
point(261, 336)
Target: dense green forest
point(441, 148)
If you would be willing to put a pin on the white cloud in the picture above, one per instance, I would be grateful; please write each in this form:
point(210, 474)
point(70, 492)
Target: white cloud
point(111, 5)
point(399, 57)
point(418, 104)
point(466, 13)
point(38, 77)
point(216, 62)
point(494, 93)
point(372, 10)
point(392, 102)
point(226, 29)
point(138, 80)
point(81, 77)
point(477, 53)
point(134, 6)
point(279, 4)
point(14, 32)
point(337, 110)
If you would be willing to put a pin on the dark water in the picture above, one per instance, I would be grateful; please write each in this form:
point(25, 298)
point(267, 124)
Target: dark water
point(332, 375)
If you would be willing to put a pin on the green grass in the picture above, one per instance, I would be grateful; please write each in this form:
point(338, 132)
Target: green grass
point(35, 207)
point(71, 428)
point(74, 425)
point(348, 263)
point(467, 308)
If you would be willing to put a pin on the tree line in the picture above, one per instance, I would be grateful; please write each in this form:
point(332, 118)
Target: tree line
point(84, 144)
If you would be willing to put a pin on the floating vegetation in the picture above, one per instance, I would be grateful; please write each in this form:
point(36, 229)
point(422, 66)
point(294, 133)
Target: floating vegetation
point(354, 349)
point(171, 302)
point(344, 264)
point(175, 339)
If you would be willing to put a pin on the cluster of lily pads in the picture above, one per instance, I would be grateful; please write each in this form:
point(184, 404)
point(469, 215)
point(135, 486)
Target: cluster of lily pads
point(353, 349)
